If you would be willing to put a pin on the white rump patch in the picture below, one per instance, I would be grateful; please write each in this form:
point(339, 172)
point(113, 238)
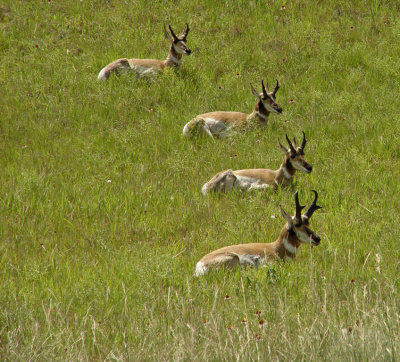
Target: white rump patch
point(201, 269)
point(289, 247)
point(102, 74)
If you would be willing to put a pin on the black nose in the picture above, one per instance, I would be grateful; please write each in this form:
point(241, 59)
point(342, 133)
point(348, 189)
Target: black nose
point(188, 51)
point(309, 168)
point(279, 110)
point(316, 240)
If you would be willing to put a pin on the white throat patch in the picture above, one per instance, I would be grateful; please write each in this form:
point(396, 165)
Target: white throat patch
point(262, 116)
point(286, 173)
point(289, 247)
point(173, 59)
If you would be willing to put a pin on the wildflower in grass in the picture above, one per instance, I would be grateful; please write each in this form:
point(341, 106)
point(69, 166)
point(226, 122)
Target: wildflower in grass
point(243, 321)
point(283, 60)
point(258, 312)
point(351, 27)
point(352, 280)
point(257, 337)
point(292, 101)
point(219, 87)
point(229, 327)
point(283, 7)
point(109, 181)
point(257, 141)
point(227, 297)
point(261, 323)
point(204, 321)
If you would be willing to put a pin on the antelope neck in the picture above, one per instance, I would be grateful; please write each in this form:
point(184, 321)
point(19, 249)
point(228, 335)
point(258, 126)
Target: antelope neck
point(290, 247)
point(173, 58)
point(287, 169)
point(261, 111)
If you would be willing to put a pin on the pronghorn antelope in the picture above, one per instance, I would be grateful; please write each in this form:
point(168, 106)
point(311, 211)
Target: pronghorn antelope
point(263, 178)
point(146, 67)
point(293, 233)
point(218, 123)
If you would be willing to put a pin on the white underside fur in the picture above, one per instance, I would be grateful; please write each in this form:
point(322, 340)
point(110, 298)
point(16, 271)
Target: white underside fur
point(242, 182)
point(211, 127)
point(201, 269)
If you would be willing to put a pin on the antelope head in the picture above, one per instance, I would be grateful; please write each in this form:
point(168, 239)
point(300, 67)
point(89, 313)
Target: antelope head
point(178, 42)
point(268, 98)
point(297, 225)
point(295, 155)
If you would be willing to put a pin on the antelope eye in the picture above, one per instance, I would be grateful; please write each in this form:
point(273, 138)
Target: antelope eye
point(292, 156)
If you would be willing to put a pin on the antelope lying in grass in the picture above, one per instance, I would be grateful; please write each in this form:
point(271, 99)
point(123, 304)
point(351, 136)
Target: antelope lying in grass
point(293, 233)
point(218, 123)
point(263, 178)
point(146, 67)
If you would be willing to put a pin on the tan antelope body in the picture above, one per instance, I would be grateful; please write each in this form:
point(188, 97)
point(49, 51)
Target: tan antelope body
point(293, 233)
point(262, 178)
point(149, 67)
point(220, 122)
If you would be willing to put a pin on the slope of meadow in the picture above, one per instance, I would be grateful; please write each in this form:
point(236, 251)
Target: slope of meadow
point(101, 216)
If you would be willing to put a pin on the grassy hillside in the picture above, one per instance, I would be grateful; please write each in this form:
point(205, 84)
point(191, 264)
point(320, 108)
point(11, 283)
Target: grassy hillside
point(101, 216)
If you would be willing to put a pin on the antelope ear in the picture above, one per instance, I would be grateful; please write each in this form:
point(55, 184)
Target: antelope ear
point(283, 148)
point(286, 216)
point(256, 94)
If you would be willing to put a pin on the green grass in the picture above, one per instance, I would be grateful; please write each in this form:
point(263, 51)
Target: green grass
point(99, 270)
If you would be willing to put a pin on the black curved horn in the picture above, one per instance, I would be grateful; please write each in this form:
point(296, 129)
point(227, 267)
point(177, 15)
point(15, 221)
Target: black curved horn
point(264, 90)
point(313, 207)
point(303, 143)
point(185, 32)
point(297, 214)
point(292, 149)
point(275, 89)
point(172, 32)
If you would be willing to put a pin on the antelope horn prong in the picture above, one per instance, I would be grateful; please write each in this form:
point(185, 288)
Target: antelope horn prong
point(313, 206)
point(185, 32)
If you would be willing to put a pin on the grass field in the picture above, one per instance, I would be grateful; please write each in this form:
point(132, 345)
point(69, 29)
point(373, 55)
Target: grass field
point(101, 215)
